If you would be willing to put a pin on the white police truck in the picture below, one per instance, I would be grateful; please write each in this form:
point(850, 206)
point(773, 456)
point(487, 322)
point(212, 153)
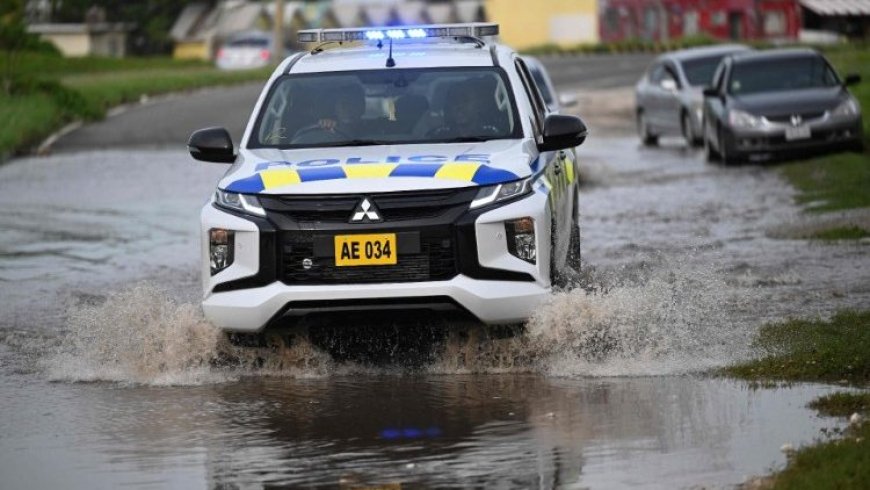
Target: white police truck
point(392, 168)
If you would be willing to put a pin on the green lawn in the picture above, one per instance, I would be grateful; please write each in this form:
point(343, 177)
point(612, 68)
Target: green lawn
point(821, 351)
point(812, 350)
point(840, 464)
point(831, 183)
point(58, 90)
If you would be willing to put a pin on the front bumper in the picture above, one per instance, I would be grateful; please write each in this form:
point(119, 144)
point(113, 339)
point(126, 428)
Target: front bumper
point(826, 134)
point(250, 310)
point(266, 281)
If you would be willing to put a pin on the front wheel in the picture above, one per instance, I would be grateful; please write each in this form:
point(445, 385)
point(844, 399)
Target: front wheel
point(562, 278)
point(710, 153)
point(644, 132)
point(689, 132)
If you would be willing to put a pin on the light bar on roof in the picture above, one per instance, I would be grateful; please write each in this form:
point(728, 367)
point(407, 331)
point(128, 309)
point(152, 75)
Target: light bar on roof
point(473, 29)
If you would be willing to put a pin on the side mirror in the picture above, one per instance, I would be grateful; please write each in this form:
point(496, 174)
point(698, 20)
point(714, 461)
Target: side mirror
point(211, 145)
point(710, 92)
point(852, 79)
point(669, 84)
point(562, 132)
point(567, 100)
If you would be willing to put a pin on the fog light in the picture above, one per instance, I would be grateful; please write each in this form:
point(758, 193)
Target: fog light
point(220, 249)
point(521, 239)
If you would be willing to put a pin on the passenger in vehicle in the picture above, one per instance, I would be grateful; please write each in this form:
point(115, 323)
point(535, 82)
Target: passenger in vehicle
point(470, 111)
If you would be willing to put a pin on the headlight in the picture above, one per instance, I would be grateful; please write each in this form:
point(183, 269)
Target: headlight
point(501, 192)
point(848, 108)
point(239, 202)
point(743, 119)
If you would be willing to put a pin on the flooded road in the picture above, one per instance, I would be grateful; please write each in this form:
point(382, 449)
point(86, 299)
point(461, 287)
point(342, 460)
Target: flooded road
point(110, 376)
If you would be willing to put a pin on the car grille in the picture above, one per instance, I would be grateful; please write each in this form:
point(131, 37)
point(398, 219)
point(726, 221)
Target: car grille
point(786, 118)
point(392, 206)
point(436, 261)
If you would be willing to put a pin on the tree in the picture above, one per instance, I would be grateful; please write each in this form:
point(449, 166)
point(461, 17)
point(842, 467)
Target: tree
point(14, 39)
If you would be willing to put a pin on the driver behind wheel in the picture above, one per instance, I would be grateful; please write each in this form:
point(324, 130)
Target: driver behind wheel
point(344, 121)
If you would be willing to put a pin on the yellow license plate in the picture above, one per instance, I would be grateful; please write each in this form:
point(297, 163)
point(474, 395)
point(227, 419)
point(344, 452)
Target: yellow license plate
point(377, 249)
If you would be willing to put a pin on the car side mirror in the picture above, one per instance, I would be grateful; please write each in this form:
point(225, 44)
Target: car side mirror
point(562, 132)
point(669, 84)
point(710, 92)
point(852, 79)
point(211, 145)
point(567, 100)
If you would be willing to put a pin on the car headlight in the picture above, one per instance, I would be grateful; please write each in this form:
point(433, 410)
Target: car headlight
point(496, 193)
point(847, 108)
point(239, 202)
point(743, 119)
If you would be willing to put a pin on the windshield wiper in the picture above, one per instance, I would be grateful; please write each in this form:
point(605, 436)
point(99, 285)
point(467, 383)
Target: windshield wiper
point(357, 142)
point(467, 139)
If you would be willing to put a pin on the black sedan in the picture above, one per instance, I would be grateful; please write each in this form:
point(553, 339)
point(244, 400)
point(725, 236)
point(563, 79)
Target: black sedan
point(778, 101)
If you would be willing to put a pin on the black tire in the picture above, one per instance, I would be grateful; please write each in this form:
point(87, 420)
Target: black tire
point(726, 157)
point(643, 131)
point(710, 153)
point(692, 141)
point(562, 278)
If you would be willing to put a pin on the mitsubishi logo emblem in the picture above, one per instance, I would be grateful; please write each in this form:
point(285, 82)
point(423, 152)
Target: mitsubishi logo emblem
point(796, 120)
point(365, 211)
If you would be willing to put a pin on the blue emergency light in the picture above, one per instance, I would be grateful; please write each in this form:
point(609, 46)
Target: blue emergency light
point(473, 29)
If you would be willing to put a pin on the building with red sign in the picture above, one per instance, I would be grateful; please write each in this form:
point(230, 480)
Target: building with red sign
point(662, 20)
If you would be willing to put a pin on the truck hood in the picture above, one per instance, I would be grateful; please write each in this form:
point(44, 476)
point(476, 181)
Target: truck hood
point(371, 169)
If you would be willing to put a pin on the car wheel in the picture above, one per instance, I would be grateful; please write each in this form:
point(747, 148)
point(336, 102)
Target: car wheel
point(709, 152)
point(560, 279)
point(689, 132)
point(726, 156)
point(644, 132)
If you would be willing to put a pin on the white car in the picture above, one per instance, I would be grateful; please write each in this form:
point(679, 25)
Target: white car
point(418, 168)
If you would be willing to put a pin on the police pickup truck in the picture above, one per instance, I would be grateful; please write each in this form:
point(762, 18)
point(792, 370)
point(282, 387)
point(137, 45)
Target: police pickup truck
point(391, 168)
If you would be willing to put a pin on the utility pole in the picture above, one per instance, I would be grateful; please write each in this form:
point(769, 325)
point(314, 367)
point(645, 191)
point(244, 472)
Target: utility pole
point(278, 33)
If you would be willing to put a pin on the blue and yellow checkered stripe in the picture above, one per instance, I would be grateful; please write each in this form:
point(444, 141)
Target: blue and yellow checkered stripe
point(274, 178)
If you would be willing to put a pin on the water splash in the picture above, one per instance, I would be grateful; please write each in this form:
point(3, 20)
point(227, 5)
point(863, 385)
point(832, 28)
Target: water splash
point(669, 319)
point(652, 318)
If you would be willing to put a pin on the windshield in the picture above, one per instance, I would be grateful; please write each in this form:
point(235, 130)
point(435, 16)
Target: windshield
point(783, 74)
point(700, 72)
point(387, 107)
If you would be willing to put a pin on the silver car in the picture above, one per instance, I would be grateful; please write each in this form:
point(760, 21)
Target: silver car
point(669, 97)
point(555, 101)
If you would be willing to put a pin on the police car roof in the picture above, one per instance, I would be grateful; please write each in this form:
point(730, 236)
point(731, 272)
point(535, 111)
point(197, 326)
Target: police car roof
point(406, 55)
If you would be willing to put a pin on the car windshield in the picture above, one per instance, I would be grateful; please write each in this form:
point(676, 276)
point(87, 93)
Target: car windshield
point(249, 42)
point(781, 74)
point(699, 72)
point(378, 107)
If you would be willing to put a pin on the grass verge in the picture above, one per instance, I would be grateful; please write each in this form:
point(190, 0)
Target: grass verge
point(51, 91)
point(840, 464)
point(831, 183)
point(842, 233)
point(834, 350)
point(812, 350)
point(842, 404)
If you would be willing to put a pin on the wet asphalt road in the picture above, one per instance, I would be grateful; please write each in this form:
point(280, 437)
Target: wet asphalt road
point(106, 385)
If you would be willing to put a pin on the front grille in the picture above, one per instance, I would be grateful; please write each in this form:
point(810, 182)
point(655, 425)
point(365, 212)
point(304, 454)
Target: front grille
point(395, 206)
point(786, 118)
point(436, 261)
